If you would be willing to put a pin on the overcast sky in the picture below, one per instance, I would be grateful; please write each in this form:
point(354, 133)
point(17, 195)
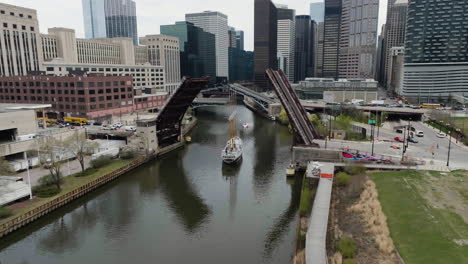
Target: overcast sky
point(153, 13)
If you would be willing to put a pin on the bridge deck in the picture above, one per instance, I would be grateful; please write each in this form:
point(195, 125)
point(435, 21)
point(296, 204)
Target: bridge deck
point(303, 129)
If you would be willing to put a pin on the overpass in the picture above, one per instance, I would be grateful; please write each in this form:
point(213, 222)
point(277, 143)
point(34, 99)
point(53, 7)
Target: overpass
point(392, 110)
point(259, 98)
point(202, 102)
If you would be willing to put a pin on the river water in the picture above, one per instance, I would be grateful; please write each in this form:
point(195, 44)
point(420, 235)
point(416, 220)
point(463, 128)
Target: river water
point(184, 208)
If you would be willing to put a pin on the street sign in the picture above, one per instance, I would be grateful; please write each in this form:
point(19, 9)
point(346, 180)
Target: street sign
point(371, 122)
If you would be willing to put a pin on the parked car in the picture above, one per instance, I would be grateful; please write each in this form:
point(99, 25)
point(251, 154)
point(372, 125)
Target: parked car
point(441, 135)
point(419, 133)
point(399, 139)
point(399, 131)
point(413, 140)
point(395, 147)
point(130, 128)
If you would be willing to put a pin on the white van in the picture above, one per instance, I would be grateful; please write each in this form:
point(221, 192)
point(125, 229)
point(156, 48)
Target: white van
point(419, 133)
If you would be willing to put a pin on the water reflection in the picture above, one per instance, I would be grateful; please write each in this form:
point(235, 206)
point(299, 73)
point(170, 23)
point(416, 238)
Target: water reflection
point(282, 222)
point(231, 174)
point(265, 156)
point(184, 200)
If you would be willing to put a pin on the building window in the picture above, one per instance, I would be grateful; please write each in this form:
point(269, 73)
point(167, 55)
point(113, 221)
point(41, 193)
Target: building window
point(32, 28)
point(91, 84)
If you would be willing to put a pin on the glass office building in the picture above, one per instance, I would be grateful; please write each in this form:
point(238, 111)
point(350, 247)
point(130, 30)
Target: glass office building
point(197, 49)
point(110, 19)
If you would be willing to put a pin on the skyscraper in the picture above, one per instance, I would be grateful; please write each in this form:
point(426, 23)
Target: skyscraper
point(232, 37)
point(240, 39)
point(265, 41)
point(317, 12)
point(303, 46)
point(215, 23)
point(286, 40)
point(394, 32)
point(331, 38)
point(20, 41)
point(358, 39)
point(110, 18)
point(436, 49)
point(197, 49)
point(319, 50)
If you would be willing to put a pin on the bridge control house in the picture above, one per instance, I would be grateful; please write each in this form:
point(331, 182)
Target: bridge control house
point(91, 97)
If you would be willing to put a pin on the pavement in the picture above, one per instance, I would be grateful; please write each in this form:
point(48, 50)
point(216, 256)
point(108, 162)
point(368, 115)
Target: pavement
point(431, 149)
point(68, 168)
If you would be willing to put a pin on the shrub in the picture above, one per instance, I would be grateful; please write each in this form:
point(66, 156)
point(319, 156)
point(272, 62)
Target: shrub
point(5, 212)
point(349, 261)
point(347, 247)
point(101, 162)
point(306, 201)
point(48, 180)
point(45, 191)
point(343, 178)
point(86, 172)
point(127, 155)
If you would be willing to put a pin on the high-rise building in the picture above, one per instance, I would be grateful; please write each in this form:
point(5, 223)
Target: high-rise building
point(380, 59)
point(319, 50)
point(110, 18)
point(197, 49)
point(164, 51)
point(317, 12)
point(232, 37)
point(240, 39)
point(303, 44)
point(331, 38)
point(394, 31)
point(240, 65)
point(286, 40)
point(436, 49)
point(358, 39)
point(215, 23)
point(20, 42)
point(395, 70)
point(265, 41)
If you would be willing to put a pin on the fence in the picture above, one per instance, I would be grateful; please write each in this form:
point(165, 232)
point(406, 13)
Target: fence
point(48, 207)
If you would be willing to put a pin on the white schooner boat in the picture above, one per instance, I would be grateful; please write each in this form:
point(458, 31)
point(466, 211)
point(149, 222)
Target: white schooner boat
point(232, 152)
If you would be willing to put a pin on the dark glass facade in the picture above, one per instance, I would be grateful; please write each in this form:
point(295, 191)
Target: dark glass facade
point(304, 57)
point(265, 41)
point(240, 65)
point(240, 39)
point(121, 19)
point(436, 31)
point(197, 49)
point(331, 38)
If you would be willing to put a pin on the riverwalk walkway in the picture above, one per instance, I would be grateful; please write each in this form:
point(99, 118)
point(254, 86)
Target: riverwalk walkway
point(316, 236)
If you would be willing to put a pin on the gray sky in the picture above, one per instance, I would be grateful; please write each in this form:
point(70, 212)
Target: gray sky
point(152, 13)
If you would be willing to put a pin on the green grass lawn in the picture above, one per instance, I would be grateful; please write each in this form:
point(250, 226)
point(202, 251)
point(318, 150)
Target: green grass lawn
point(70, 183)
point(462, 123)
point(422, 233)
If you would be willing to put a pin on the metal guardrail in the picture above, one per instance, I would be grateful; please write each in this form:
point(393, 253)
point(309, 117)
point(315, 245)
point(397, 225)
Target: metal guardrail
point(50, 206)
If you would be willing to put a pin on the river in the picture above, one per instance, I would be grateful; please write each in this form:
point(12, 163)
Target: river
point(183, 208)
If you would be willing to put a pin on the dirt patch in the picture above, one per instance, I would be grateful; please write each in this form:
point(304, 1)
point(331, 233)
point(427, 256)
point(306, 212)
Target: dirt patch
point(446, 191)
point(360, 217)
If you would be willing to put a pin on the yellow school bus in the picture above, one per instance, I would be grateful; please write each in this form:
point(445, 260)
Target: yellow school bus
point(431, 106)
point(78, 120)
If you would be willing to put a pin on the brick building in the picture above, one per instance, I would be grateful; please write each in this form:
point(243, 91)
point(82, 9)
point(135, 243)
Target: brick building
point(93, 97)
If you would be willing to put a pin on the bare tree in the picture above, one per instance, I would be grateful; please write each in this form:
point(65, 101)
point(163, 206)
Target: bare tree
point(52, 152)
point(80, 147)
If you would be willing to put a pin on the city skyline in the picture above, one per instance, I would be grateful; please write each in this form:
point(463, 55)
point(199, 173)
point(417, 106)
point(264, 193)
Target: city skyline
point(152, 14)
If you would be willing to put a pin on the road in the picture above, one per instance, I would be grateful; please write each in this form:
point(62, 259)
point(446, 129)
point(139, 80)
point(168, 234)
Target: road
point(422, 150)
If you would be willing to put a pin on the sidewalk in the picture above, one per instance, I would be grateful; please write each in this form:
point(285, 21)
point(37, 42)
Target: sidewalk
point(66, 170)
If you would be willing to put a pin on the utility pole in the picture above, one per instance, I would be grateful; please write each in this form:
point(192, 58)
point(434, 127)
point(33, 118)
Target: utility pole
point(450, 145)
point(373, 138)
